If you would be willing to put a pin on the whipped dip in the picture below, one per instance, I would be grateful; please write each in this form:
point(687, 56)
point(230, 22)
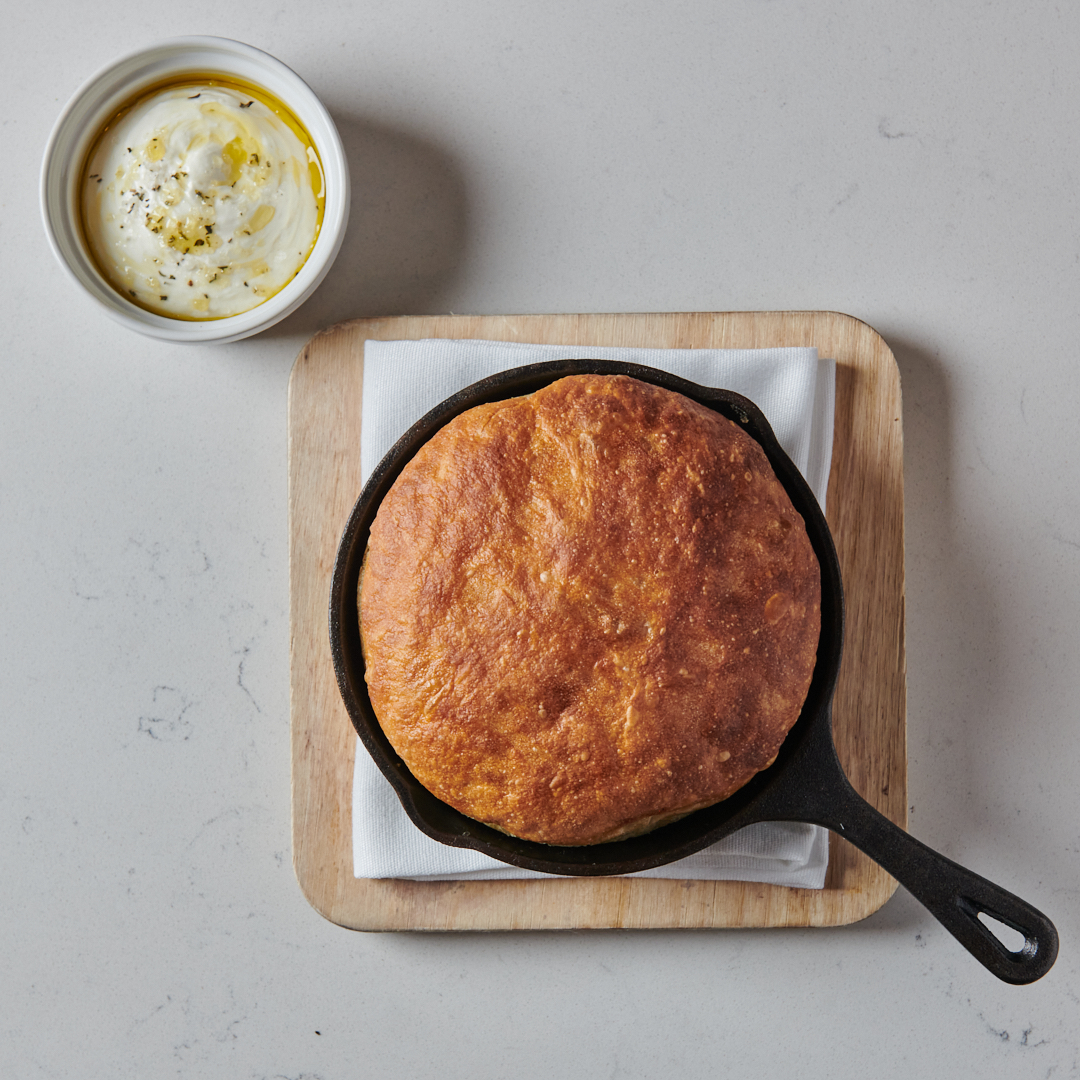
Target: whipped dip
point(202, 199)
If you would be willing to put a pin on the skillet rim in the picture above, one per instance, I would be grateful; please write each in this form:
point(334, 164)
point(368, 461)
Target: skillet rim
point(765, 797)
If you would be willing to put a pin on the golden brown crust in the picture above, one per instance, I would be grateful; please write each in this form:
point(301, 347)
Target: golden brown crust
point(588, 611)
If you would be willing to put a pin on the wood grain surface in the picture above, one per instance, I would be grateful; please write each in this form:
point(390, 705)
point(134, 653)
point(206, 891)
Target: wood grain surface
point(865, 511)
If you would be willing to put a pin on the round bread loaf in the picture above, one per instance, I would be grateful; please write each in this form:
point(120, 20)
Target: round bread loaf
point(589, 611)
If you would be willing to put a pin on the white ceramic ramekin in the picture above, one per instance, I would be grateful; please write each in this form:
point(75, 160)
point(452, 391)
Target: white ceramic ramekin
point(104, 94)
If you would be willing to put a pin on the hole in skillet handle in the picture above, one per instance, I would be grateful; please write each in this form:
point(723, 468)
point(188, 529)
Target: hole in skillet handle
point(763, 798)
point(1030, 950)
point(1013, 940)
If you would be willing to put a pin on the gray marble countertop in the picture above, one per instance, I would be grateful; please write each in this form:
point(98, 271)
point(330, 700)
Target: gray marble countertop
point(913, 165)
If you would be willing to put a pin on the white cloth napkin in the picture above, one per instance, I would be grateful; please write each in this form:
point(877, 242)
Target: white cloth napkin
point(402, 381)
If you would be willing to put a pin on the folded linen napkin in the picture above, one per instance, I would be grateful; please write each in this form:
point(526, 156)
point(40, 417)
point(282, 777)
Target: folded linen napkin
point(402, 381)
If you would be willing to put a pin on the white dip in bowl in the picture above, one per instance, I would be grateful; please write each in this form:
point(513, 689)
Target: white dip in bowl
point(202, 200)
point(198, 190)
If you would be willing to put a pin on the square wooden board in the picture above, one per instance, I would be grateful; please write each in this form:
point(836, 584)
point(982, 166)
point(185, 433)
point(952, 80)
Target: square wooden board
point(866, 514)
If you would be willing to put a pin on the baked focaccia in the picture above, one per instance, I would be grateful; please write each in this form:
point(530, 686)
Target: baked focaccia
point(589, 611)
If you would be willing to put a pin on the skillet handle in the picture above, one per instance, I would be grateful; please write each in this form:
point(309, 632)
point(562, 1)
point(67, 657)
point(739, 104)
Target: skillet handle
point(953, 895)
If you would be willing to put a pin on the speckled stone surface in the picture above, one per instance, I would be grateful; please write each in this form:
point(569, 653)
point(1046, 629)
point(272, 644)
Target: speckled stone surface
point(913, 166)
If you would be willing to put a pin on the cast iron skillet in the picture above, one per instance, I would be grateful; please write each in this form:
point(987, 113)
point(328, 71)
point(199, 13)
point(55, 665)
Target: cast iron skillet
point(806, 782)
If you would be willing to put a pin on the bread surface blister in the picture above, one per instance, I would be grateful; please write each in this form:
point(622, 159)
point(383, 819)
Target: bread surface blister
point(589, 611)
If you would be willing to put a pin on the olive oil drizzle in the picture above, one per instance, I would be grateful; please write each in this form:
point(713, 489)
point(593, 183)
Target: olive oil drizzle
point(197, 80)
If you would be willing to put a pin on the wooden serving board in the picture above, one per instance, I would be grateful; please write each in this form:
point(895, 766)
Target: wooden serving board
point(865, 511)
